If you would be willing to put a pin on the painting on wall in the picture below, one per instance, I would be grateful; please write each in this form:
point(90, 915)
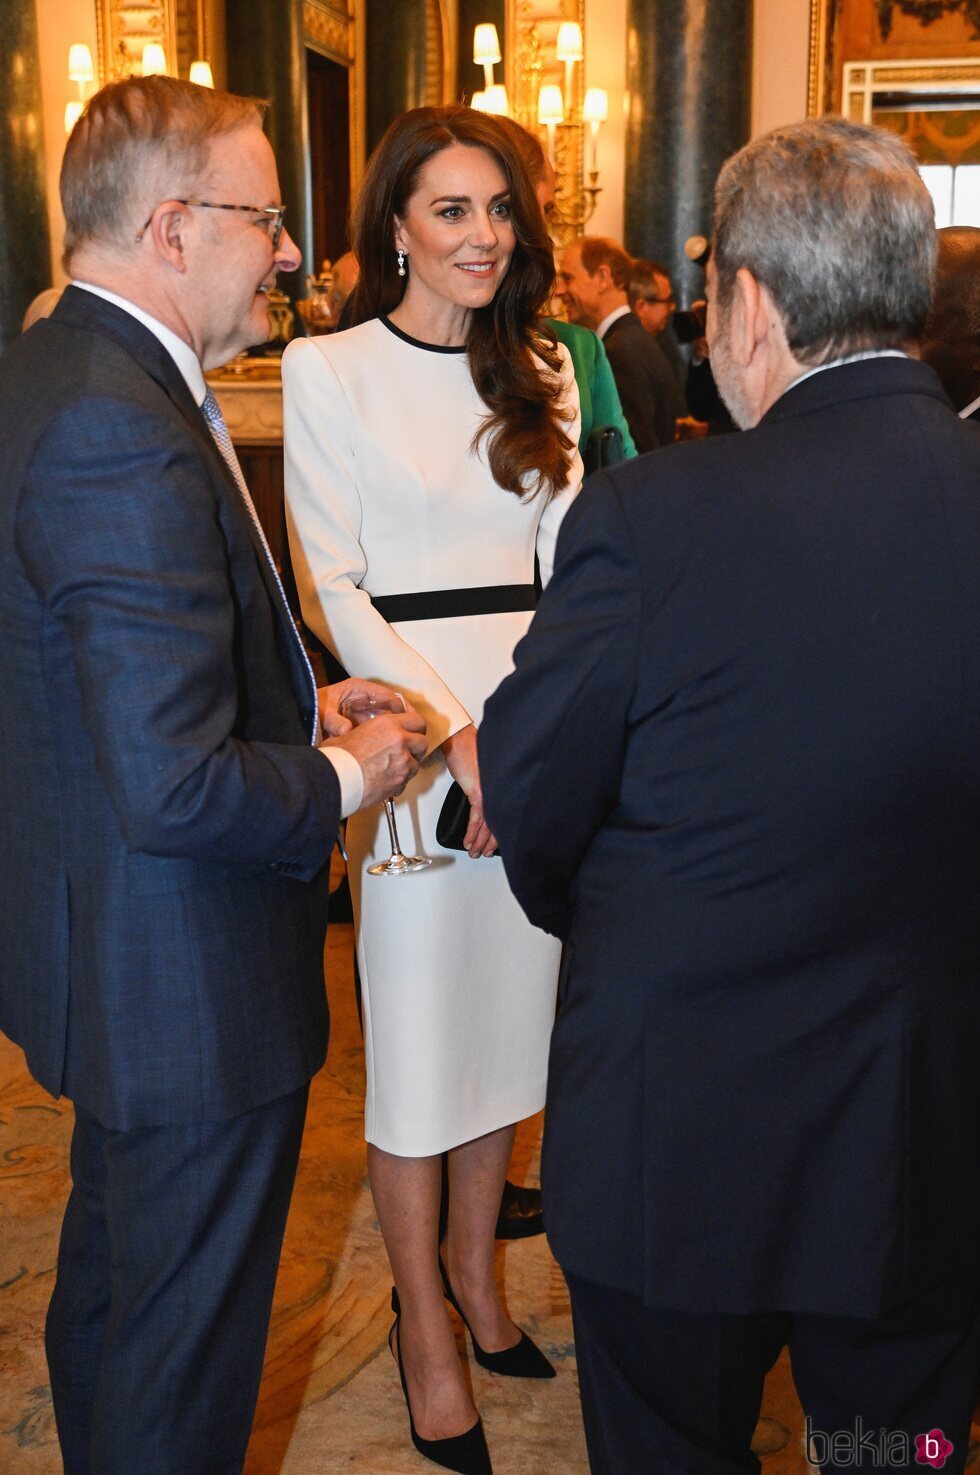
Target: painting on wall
point(850, 32)
point(913, 67)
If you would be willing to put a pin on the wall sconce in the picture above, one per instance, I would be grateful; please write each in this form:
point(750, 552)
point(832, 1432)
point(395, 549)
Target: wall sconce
point(80, 68)
point(595, 110)
point(200, 72)
point(555, 110)
point(493, 100)
point(569, 49)
point(82, 73)
point(154, 60)
point(486, 51)
point(551, 112)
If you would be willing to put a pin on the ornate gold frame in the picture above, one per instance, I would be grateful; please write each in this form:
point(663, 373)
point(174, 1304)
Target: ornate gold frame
point(862, 79)
point(531, 29)
point(336, 28)
point(820, 89)
point(124, 27)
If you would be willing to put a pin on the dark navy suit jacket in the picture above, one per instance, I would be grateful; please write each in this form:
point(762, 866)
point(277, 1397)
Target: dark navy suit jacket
point(649, 392)
point(166, 821)
point(738, 770)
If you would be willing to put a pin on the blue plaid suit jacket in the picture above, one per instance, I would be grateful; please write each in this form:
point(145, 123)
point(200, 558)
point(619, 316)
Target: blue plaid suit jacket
point(163, 880)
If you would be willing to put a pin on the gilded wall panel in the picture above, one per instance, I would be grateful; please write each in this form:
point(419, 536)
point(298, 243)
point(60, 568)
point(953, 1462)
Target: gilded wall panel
point(124, 28)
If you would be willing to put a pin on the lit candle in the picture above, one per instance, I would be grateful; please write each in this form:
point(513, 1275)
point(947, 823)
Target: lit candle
point(495, 100)
point(486, 51)
point(595, 111)
point(154, 60)
point(569, 49)
point(551, 112)
point(80, 63)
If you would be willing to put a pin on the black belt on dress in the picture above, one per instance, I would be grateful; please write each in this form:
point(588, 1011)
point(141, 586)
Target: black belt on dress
point(448, 604)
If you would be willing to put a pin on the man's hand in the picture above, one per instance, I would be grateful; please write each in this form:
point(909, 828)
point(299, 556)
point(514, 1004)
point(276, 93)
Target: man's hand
point(329, 698)
point(388, 749)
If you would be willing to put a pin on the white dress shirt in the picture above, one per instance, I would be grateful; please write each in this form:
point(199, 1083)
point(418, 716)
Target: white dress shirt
point(346, 766)
point(849, 358)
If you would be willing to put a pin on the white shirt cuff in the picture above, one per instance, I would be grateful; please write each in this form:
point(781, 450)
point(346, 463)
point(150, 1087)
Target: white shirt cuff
point(350, 777)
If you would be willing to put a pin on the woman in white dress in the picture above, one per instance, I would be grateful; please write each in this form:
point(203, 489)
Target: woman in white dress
point(430, 450)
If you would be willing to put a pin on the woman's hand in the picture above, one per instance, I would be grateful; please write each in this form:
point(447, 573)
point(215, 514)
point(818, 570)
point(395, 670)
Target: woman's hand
point(459, 752)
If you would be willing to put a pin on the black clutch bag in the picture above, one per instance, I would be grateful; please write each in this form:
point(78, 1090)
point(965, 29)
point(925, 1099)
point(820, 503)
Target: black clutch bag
point(454, 816)
point(604, 448)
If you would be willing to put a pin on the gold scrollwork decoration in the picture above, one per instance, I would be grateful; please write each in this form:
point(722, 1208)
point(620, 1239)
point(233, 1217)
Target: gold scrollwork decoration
point(330, 29)
point(125, 27)
point(937, 74)
point(824, 26)
point(531, 32)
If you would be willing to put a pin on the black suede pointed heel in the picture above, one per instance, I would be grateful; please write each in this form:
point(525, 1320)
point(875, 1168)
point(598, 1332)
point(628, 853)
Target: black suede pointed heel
point(465, 1453)
point(523, 1360)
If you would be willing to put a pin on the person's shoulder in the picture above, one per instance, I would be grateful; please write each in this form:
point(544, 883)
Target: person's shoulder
point(56, 364)
point(345, 347)
point(684, 479)
point(581, 342)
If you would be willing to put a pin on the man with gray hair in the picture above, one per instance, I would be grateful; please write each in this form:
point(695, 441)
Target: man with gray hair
point(170, 802)
point(763, 1116)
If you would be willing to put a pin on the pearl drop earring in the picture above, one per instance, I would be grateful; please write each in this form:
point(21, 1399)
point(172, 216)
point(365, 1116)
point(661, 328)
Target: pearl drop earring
point(401, 262)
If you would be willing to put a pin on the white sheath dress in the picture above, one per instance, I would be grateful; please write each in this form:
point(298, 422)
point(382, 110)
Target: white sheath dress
point(384, 496)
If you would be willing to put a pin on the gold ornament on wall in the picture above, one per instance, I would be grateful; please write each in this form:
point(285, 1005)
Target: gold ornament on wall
point(545, 92)
point(125, 29)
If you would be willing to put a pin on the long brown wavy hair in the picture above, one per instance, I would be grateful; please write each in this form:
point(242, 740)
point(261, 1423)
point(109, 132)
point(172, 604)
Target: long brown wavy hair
point(527, 449)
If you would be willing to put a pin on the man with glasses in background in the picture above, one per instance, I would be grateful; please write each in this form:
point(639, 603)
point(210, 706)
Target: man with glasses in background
point(651, 297)
point(170, 800)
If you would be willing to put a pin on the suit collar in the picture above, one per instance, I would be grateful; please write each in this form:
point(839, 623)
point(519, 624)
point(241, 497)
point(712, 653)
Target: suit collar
point(865, 379)
point(93, 314)
point(618, 324)
point(182, 353)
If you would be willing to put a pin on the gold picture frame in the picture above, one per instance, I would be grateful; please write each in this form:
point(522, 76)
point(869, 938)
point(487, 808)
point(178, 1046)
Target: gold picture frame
point(124, 28)
point(821, 80)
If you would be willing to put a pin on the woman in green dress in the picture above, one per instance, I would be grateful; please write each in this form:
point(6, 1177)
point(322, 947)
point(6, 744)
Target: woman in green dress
point(598, 394)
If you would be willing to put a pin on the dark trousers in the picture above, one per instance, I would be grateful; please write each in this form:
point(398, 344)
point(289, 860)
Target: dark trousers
point(664, 1393)
point(166, 1268)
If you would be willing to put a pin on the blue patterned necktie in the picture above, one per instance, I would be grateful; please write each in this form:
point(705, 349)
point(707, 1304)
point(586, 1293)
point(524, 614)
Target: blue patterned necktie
point(211, 411)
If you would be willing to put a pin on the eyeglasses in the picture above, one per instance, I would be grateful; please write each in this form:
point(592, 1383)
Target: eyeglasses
point(658, 301)
point(273, 213)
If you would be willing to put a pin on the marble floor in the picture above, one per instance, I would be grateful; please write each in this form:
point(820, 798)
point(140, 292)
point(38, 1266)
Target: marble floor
point(330, 1398)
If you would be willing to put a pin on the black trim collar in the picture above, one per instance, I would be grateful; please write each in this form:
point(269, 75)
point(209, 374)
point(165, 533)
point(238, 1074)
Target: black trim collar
point(417, 342)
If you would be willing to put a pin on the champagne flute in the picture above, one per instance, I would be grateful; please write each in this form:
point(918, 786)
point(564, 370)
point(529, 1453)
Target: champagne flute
point(358, 709)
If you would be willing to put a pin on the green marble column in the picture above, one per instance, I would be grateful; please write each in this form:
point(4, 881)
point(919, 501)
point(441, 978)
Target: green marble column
point(689, 69)
point(395, 62)
point(25, 247)
point(267, 58)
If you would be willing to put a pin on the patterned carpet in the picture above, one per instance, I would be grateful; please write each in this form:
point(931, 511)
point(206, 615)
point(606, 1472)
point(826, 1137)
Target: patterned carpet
point(330, 1397)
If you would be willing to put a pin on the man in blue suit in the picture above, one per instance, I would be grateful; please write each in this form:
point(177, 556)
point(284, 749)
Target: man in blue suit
point(170, 802)
point(737, 769)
